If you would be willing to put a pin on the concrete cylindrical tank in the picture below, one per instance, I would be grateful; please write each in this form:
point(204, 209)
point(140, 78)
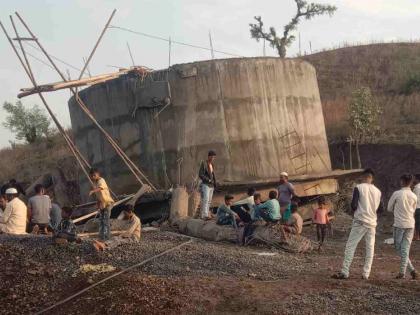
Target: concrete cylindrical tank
point(261, 115)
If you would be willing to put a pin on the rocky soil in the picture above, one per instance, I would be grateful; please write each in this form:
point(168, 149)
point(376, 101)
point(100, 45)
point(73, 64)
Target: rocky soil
point(201, 277)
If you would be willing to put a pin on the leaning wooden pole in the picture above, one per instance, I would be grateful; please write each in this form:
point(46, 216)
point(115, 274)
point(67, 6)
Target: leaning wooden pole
point(133, 168)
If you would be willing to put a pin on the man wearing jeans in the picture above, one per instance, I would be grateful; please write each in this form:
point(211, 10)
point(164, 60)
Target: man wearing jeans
point(366, 203)
point(208, 183)
point(403, 204)
point(105, 202)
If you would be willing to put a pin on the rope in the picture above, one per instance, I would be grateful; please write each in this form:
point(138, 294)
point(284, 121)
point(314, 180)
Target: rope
point(113, 276)
point(54, 57)
point(172, 41)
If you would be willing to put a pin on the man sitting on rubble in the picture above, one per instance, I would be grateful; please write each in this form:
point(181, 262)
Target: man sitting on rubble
point(295, 224)
point(244, 206)
point(13, 220)
point(225, 215)
point(66, 231)
point(39, 209)
point(269, 211)
point(131, 234)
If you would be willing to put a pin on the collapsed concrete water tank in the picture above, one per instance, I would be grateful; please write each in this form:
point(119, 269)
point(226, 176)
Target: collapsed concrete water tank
point(261, 115)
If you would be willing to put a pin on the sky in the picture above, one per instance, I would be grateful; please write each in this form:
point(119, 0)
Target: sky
point(69, 29)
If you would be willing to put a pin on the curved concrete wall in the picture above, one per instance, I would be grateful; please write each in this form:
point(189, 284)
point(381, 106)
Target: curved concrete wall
point(261, 115)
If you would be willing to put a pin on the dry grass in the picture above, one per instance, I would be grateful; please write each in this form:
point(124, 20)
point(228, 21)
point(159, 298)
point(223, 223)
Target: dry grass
point(27, 162)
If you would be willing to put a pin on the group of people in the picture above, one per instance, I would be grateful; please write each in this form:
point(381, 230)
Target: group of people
point(281, 207)
point(39, 215)
point(43, 216)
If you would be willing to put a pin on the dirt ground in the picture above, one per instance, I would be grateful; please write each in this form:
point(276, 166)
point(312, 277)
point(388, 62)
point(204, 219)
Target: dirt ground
point(204, 277)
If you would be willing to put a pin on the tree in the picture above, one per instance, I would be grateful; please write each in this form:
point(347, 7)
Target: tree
point(28, 124)
point(304, 10)
point(364, 118)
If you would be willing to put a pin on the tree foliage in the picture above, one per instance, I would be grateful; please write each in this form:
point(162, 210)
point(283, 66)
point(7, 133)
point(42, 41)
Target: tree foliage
point(304, 10)
point(364, 115)
point(28, 124)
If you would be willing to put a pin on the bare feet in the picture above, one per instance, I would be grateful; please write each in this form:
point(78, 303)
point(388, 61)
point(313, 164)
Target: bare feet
point(99, 246)
point(35, 229)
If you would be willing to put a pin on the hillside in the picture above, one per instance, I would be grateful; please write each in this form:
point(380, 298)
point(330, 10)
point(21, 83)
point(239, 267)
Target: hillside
point(392, 71)
point(26, 163)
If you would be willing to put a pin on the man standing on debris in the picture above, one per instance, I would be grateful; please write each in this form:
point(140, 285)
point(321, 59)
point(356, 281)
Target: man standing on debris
point(403, 204)
point(208, 184)
point(14, 217)
point(366, 203)
point(105, 202)
point(39, 209)
point(286, 192)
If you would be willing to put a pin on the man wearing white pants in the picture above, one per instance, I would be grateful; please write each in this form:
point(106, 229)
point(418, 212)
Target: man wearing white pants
point(403, 204)
point(208, 184)
point(366, 203)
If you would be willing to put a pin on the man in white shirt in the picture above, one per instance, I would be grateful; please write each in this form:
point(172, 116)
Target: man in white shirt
point(403, 204)
point(416, 190)
point(14, 217)
point(366, 203)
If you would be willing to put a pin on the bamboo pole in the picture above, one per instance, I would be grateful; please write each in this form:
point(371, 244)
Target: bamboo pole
point(30, 75)
point(133, 168)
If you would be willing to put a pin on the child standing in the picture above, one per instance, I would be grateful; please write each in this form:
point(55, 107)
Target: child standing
point(321, 220)
point(105, 203)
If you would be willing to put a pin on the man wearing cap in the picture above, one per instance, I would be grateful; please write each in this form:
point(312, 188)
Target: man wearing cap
point(208, 184)
point(286, 191)
point(14, 217)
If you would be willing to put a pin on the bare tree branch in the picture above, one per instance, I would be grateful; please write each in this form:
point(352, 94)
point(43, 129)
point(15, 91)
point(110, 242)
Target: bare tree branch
point(304, 10)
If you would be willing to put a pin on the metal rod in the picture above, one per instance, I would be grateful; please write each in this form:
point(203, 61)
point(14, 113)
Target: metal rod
point(131, 55)
point(211, 46)
point(97, 43)
point(24, 38)
point(169, 53)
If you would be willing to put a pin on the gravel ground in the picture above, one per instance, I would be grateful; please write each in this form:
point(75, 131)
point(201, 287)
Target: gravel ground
point(201, 277)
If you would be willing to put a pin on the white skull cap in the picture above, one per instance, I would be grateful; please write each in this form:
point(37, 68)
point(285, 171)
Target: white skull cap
point(11, 191)
point(284, 174)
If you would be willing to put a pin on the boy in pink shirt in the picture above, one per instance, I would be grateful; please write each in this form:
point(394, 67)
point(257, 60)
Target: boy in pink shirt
point(321, 220)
